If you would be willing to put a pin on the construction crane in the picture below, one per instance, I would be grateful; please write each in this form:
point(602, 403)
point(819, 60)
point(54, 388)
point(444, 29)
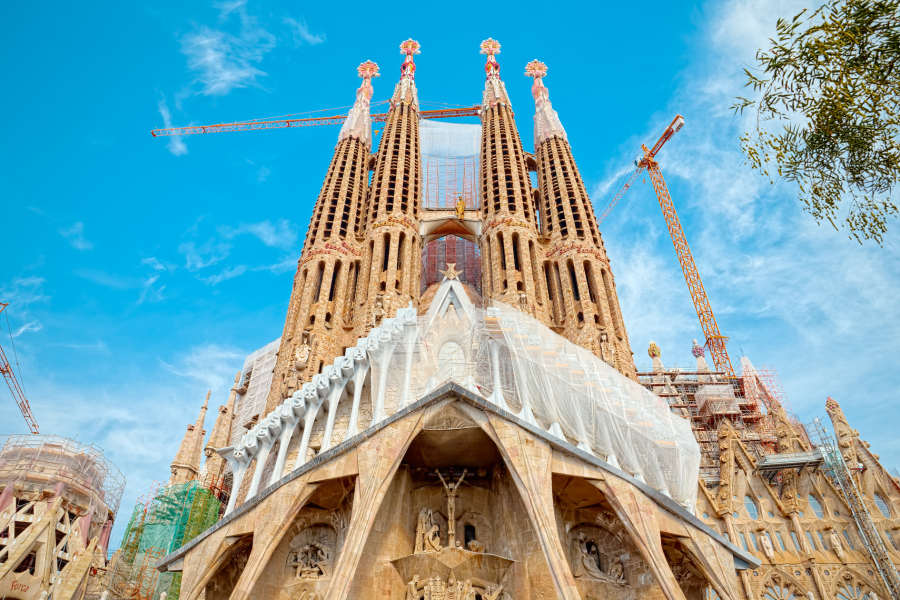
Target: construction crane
point(715, 341)
point(446, 113)
point(13, 383)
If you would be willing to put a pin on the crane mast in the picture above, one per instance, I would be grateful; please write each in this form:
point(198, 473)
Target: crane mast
point(15, 388)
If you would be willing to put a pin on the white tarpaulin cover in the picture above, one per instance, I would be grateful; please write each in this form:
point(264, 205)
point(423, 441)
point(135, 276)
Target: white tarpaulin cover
point(439, 138)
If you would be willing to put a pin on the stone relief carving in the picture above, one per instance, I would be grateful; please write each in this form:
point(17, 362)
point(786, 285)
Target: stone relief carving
point(301, 354)
point(767, 547)
point(586, 563)
point(423, 527)
point(313, 551)
point(378, 311)
point(836, 544)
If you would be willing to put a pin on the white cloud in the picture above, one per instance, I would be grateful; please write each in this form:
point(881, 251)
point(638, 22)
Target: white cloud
point(75, 235)
point(211, 364)
point(227, 273)
point(278, 235)
point(301, 33)
point(285, 265)
point(176, 143)
point(262, 174)
point(29, 326)
point(206, 255)
point(222, 61)
point(156, 265)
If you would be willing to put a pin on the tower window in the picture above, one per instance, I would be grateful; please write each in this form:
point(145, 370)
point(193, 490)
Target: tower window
point(469, 534)
point(849, 541)
point(780, 541)
point(882, 506)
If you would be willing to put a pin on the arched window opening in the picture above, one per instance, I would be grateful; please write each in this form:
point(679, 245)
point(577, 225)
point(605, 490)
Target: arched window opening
point(796, 540)
point(469, 534)
point(777, 592)
point(574, 281)
point(386, 251)
point(581, 318)
point(312, 319)
point(816, 506)
point(334, 281)
point(812, 542)
point(400, 249)
point(882, 506)
point(751, 507)
point(328, 317)
point(591, 283)
point(320, 272)
point(850, 592)
point(849, 541)
point(535, 272)
point(502, 247)
point(515, 248)
point(780, 541)
point(562, 301)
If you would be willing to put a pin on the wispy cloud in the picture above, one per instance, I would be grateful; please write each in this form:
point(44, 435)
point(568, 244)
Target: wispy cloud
point(209, 253)
point(75, 235)
point(262, 174)
point(29, 326)
point(227, 273)
point(211, 364)
point(302, 35)
point(98, 346)
point(176, 144)
point(285, 265)
point(222, 61)
point(278, 235)
point(118, 282)
point(156, 265)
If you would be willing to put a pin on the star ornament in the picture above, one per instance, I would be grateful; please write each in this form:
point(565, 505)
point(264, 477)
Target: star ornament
point(451, 272)
point(367, 70)
point(490, 47)
point(410, 47)
point(535, 69)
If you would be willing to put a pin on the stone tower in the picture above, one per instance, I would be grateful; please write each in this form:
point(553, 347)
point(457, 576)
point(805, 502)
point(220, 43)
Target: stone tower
point(391, 246)
point(186, 465)
point(320, 315)
point(584, 306)
point(214, 467)
point(509, 239)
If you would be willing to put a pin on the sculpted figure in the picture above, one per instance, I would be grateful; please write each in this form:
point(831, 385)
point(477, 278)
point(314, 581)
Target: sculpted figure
point(453, 589)
point(585, 563)
point(378, 312)
point(476, 546)
point(607, 350)
point(323, 560)
point(460, 208)
point(617, 571)
point(492, 594)
point(412, 588)
point(289, 384)
point(451, 505)
point(433, 540)
point(424, 524)
point(838, 547)
point(301, 355)
point(767, 547)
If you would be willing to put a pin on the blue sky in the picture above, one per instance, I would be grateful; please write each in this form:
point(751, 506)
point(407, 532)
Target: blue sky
point(141, 271)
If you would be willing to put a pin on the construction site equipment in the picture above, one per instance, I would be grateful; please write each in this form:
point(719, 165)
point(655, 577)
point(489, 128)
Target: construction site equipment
point(715, 341)
point(837, 470)
point(162, 521)
point(447, 113)
point(13, 383)
point(771, 465)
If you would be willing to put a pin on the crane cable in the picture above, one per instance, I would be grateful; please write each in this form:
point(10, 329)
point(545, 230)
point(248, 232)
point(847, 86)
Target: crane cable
point(15, 355)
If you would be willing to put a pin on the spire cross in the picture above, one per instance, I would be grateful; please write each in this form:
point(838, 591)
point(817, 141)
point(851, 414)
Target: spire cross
point(491, 47)
point(367, 71)
point(536, 70)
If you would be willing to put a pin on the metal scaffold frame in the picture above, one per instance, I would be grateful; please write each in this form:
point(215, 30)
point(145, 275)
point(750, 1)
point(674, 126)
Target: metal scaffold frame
point(837, 469)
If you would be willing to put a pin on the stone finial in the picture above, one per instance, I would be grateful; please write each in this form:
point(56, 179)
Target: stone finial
point(359, 122)
point(546, 122)
point(186, 465)
point(697, 350)
point(494, 90)
point(405, 91)
point(653, 350)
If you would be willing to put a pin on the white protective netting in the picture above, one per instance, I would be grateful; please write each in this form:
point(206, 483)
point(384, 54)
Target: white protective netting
point(438, 138)
point(259, 367)
point(542, 374)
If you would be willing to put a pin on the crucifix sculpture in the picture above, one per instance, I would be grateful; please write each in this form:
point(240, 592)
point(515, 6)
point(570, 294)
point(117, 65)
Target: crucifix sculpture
point(451, 506)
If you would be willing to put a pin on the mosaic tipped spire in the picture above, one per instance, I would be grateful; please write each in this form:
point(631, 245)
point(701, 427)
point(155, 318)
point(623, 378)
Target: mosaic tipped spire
point(494, 90)
point(546, 121)
point(405, 91)
point(359, 122)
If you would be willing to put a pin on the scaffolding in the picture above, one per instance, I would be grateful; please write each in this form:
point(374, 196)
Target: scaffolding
point(836, 468)
point(162, 521)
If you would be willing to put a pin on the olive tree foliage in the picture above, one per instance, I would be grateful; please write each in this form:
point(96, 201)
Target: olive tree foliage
point(827, 102)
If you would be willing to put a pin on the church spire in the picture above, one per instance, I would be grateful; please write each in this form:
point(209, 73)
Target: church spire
point(220, 437)
point(359, 122)
point(186, 465)
point(546, 121)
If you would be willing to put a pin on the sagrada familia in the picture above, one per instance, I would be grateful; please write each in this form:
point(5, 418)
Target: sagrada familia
point(440, 430)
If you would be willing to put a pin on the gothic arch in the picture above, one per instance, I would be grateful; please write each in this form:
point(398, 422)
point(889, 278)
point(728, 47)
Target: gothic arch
point(850, 584)
point(780, 585)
